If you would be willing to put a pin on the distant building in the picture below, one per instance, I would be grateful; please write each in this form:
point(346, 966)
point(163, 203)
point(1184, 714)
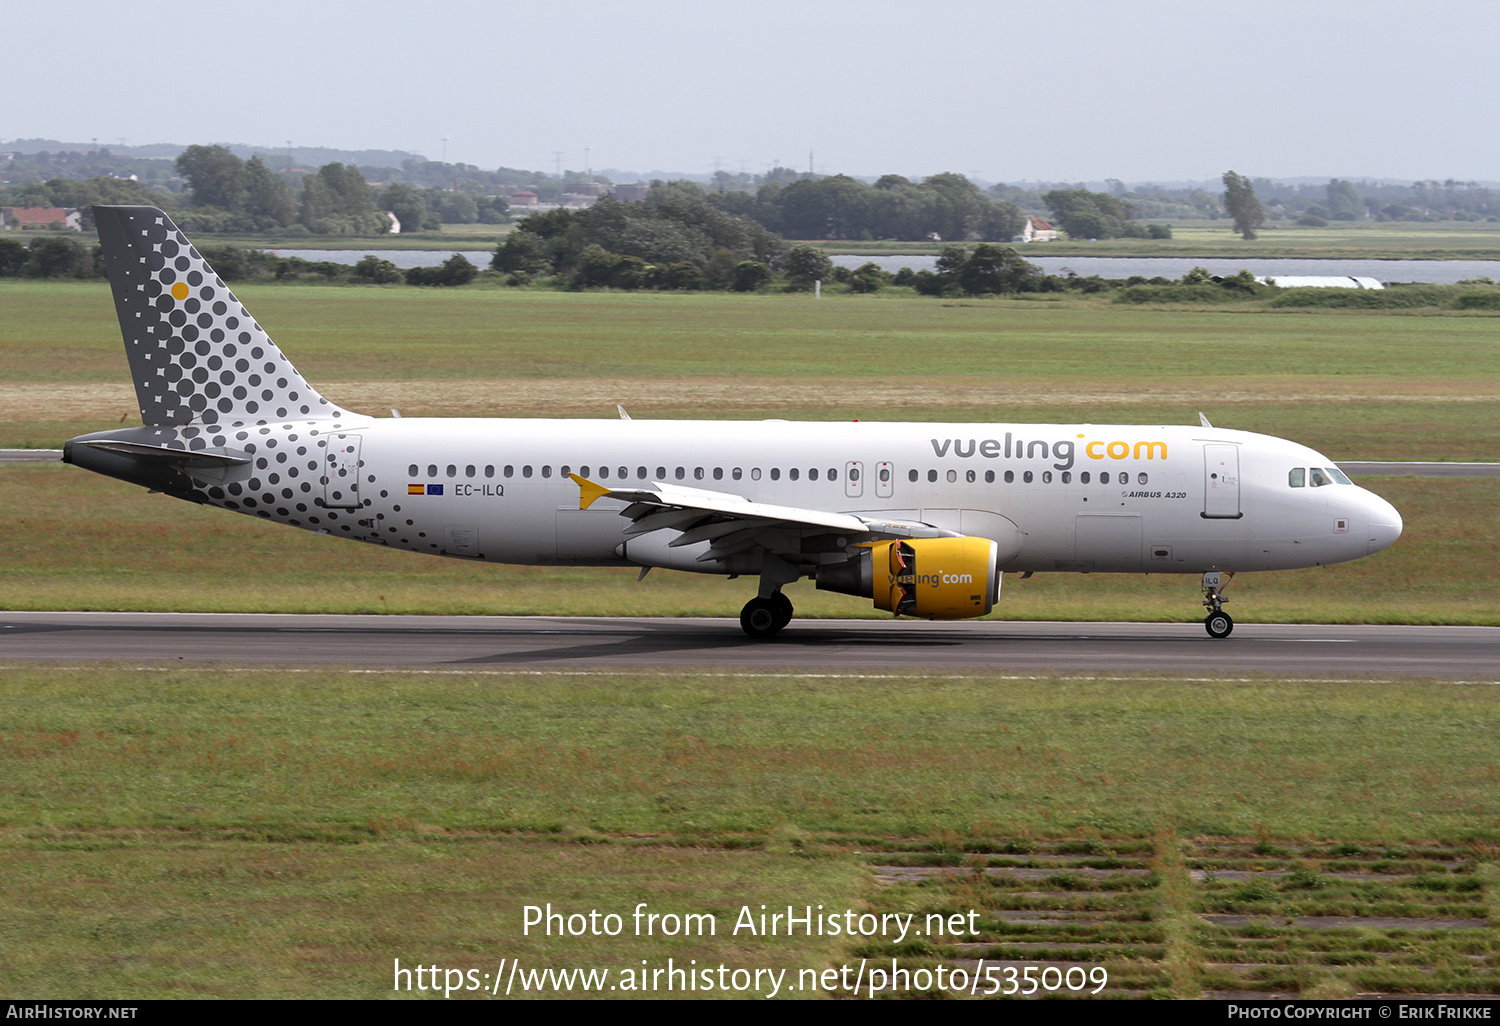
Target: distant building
point(40, 218)
point(1036, 230)
point(523, 199)
point(632, 193)
point(582, 194)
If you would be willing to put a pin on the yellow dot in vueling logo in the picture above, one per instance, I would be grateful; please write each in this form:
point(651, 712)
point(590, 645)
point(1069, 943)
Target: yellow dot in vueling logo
point(180, 291)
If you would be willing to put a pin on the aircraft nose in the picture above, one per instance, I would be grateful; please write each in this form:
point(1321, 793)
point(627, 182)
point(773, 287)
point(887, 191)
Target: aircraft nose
point(1385, 524)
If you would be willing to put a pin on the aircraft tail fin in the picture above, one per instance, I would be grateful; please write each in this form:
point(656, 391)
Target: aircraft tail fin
point(196, 355)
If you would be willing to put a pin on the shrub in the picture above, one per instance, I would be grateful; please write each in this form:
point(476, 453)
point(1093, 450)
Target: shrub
point(750, 275)
point(454, 271)
point(1209, 293)
point(376, 271)
point(1404, 298)
point(1477, 301)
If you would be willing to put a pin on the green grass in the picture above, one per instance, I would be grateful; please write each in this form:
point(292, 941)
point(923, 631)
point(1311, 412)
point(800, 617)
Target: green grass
point(186, 914)
point(1355, 384)
point(1450, 240)
point(276, 833)
point(156, 553)
point(67, 332)
point(681, 756)
point(479, 237)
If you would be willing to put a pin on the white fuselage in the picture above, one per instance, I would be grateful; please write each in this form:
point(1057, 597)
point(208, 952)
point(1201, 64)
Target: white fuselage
point(1083, 498)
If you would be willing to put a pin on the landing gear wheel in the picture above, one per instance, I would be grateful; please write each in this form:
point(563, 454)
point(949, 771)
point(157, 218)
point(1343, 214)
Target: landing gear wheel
point(783, 610)
point(1219, 625)
point(762, 619)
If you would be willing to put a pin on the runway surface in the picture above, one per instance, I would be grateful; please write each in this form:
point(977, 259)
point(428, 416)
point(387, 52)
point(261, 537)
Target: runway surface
point(807, 646)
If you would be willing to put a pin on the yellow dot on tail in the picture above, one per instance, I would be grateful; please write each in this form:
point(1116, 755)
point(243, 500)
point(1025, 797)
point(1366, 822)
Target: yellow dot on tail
point(180, 291)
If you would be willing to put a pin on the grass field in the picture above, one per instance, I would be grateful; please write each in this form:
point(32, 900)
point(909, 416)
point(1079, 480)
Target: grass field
point(1393, 240)
point(273, 834)
point(223, 832)
point(1355, 384)
point(156, 553)
point(476, 237)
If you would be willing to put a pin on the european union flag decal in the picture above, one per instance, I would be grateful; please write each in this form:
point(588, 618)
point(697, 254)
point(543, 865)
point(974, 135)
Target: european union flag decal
point(434, 489)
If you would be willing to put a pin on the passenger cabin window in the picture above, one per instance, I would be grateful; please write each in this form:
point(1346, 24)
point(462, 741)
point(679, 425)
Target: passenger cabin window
point(911, 475)
point(775, 473)
point(411, 471)
point(1010, 477)
point(1083, 478)
point(1297, 478)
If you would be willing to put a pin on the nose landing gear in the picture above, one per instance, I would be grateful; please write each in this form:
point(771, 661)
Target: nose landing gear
point(1218, 623)
point(763, 618)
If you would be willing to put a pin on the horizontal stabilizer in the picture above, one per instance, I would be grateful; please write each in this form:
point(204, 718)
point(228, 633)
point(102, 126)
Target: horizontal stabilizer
point(174, 457)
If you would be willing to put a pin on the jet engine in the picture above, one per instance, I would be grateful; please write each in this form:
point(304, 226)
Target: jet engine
point(932, 578)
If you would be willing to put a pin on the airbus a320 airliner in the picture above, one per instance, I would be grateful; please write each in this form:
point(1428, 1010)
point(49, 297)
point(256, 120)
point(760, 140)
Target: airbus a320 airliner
point(922, 519)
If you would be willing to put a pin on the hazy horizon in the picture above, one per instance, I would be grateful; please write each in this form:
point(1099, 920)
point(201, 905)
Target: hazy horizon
point(1077, 90)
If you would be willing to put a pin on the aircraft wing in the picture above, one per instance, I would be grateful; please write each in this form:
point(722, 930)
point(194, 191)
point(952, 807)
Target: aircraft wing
point(733, 524)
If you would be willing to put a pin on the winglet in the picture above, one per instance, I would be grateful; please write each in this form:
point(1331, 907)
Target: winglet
point(588, 491)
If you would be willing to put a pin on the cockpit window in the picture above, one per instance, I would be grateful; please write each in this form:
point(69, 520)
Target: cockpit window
point(1320, 477)
point(1339, 476)
point(1297, 478)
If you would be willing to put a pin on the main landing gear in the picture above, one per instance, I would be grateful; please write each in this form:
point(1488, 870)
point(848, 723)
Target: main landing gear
point(763, 618)
point(1218, 623)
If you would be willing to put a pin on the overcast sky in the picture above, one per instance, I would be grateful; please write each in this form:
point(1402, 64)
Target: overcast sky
point(1145, 90)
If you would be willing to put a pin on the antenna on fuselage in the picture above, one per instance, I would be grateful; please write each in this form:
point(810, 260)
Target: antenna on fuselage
point(1203, 420)
point(623, 414)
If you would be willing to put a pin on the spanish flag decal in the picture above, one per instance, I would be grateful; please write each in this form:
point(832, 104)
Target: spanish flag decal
point(417, 489)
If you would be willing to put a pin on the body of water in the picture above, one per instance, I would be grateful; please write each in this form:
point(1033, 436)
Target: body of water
point(1437, 272)
point(402, 258)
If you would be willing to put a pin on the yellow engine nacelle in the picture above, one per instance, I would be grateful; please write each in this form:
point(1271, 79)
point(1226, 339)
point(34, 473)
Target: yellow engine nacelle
point(934, 578)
